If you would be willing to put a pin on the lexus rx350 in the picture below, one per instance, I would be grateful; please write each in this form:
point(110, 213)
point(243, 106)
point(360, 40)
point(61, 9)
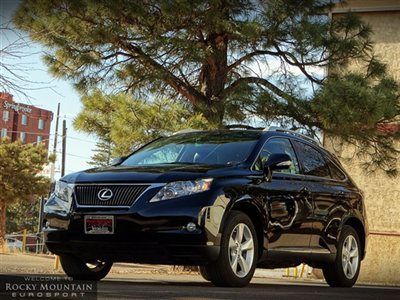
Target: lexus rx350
point(228, 201)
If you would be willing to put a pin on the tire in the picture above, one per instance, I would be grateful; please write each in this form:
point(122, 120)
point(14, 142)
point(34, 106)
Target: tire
point(80, 270)
point(221, 272)
point(334, 273)
point(204, 274)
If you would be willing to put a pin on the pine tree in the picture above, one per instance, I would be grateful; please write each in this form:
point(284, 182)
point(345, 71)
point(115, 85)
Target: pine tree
point(19, 180)
point(102, 156)
point(121, 123)
point(229, 59)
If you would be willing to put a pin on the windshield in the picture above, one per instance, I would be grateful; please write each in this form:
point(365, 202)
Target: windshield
point(208, 148)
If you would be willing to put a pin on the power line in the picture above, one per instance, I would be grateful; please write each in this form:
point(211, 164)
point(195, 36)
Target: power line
point(51, 134)
point(74, 155)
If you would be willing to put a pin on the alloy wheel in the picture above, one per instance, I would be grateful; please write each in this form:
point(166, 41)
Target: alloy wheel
point(350, 257)
point(241, 250)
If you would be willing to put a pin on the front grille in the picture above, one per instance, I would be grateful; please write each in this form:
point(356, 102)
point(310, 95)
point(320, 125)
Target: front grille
point(123, 195)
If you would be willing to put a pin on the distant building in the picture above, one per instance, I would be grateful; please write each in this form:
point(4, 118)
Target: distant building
point(27, 123)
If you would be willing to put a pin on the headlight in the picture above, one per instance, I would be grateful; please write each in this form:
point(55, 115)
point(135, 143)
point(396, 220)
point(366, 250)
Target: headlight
point(61, 199)
point(64, 191)
point(182, 188)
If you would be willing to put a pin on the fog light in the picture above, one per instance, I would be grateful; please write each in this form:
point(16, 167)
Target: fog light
point(191, 226)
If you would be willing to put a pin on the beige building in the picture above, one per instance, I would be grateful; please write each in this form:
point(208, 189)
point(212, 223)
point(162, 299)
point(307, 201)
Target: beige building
point(382, 263)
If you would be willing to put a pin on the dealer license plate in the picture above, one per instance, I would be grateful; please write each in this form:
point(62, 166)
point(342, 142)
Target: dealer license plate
point(99, 224)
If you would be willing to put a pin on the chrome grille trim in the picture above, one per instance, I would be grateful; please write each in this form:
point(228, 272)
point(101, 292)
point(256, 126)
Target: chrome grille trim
point(126, 194)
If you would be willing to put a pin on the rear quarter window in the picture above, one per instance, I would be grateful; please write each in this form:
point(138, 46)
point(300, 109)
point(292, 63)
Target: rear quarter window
point(336, 172)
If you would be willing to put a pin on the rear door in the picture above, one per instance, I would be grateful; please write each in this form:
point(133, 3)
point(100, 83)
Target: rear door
point(327, 195)
point(289, 210)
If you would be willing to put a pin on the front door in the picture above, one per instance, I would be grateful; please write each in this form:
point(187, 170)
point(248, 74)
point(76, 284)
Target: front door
point(287, 202)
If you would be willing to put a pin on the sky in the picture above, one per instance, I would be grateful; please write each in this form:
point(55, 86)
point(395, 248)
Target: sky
point(46, 92)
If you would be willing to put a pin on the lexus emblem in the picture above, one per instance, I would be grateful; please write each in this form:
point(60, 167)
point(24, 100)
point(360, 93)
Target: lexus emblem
point(105, 194)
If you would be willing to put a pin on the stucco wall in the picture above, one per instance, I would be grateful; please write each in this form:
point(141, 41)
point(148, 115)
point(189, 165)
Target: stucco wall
point(382, 194)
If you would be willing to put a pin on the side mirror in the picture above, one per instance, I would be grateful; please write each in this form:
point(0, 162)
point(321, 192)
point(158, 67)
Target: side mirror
point(116, 161)
point(277, 161)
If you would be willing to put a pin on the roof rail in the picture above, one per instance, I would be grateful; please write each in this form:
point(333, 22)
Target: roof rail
point(186, 131)
point(241, 126)
point(292, 132)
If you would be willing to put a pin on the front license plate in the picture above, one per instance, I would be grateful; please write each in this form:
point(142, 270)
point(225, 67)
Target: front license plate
point(99, 224)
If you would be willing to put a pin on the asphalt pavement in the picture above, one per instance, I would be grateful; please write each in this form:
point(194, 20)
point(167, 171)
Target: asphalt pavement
point(193, 287)
point(131, 281)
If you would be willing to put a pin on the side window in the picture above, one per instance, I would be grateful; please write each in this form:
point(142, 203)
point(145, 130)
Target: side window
point(24, 120)
point(311, 160)
point(41, 124)
point(336, 172)
point(6, 115)
point(278, 145)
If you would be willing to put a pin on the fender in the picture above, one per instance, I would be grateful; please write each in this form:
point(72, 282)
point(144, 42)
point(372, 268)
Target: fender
point(212, 218)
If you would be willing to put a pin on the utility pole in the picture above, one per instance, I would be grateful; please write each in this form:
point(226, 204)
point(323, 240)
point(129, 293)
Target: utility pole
point(53, 165)
point(52, 173)
point(64, 146)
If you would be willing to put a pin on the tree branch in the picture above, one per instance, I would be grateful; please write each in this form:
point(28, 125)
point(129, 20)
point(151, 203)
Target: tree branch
point(261, 81)
point(249, 56)
point(175, 82)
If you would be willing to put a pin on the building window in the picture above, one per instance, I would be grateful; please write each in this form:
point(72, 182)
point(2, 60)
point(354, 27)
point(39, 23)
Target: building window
point(41, 124)
point(39, 139)
point(23, 137)
point(6, 115)
point(24, 120)
point(3, 132)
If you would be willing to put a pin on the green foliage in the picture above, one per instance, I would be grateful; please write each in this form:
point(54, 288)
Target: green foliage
point(19, 168)
point(103, 153)
point(227, 60)
point(20, 182)
point(22, 215)
point(121, 122)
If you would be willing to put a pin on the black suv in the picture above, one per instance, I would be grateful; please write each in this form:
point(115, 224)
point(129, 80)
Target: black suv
point(228, 201)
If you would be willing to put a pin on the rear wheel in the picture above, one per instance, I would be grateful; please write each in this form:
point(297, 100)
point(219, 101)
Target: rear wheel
point(343, 272)
point(237, 260)
point(79, 269)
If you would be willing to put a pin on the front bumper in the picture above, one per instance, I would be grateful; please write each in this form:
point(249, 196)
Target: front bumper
point(153, 233)
point(162, 249)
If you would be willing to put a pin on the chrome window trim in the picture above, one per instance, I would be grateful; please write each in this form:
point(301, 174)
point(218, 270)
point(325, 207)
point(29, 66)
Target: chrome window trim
point(305, 176)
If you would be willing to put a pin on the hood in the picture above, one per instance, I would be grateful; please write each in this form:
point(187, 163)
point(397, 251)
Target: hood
point(150, 174)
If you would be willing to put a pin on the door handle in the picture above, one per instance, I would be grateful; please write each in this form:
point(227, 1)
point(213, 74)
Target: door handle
point(305, 191)
point(305, 195)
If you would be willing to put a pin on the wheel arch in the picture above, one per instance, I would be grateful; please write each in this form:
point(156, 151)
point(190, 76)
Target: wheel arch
point(256, 216)
point(358, 226)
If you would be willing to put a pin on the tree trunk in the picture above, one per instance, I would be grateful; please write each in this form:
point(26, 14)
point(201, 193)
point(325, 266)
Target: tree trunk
point(2, 224)
point(213, 77)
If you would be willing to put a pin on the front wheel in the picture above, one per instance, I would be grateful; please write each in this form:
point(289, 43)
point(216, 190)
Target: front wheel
point(203, 273)
point(343, 272)
point(79, 269)
point(238, 256)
